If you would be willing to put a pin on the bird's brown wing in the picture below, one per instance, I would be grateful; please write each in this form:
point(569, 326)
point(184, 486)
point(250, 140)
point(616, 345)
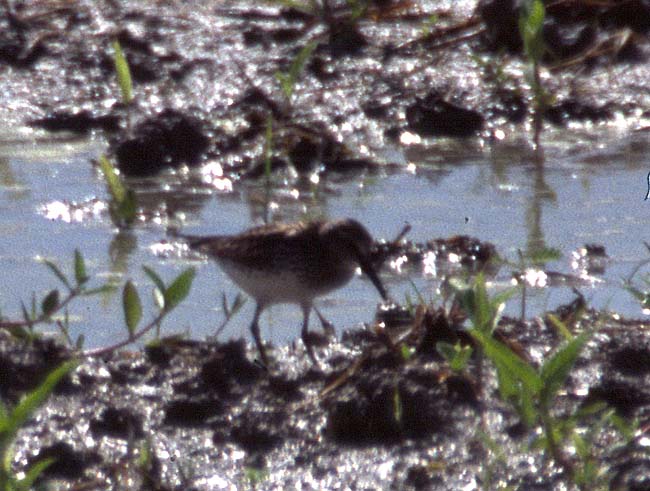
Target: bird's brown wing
point(260, 246)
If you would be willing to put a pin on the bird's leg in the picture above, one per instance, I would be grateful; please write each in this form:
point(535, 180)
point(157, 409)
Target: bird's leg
point(306, 309)
point(255, 330)
point(328, 327)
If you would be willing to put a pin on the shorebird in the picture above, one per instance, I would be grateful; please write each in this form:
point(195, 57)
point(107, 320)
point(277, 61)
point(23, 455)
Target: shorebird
point(291, 263)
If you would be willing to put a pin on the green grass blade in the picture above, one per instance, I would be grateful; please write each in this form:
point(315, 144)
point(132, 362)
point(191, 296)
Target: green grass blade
point(285, 84)
point(300, 60)
point(288, 80)
point(57, 272)
point(115, 187)
point(556, 369)
point(27, 482)
point(179, 288)
point(123, 73)
point(33, 400)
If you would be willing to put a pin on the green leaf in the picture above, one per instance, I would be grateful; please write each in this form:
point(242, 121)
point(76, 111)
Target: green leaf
point(560, 327)
point(406, 352)
point(556, 369)
point(509, 387)
point(79, 268)
point(158, 298)
point(158, 295)
point(502, 297)
point(447, 350)
point(79, 344)
point(483, 315)
point(464, 295)
point(526, 407)
point(108, 287)
point(642, 296)
point(531, 22)
point(50, 303)
point(623, 426)
point(132, 306)
point(4, 419)
point(460, 360)
point(123, 205)
point(123, 73)
point(145, 458)
point(128, 208)
point(544, 255)
point(505, 359)
point(455, 354)
point(179, 288)
point(590, 410)
point(57, 272)
point(153, 276)
point(513, 391)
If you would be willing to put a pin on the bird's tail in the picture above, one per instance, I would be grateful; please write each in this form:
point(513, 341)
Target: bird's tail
point(196, 242)
point(174, 233)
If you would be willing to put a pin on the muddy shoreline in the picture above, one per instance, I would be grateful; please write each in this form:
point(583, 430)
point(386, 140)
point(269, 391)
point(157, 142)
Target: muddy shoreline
point(378, 414)
point(212, 418)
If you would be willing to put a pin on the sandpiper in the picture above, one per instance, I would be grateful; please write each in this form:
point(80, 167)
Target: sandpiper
point(291, 263)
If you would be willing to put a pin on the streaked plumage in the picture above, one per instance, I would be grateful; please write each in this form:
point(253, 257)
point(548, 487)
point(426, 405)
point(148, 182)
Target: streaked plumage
point(291, 263)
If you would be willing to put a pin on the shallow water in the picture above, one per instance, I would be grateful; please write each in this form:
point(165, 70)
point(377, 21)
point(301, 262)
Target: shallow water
point(590, 189)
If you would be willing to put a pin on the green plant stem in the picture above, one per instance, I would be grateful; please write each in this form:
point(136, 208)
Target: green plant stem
point(538, 105)
point(552, 444)
point(15, 325)
point(129, 340)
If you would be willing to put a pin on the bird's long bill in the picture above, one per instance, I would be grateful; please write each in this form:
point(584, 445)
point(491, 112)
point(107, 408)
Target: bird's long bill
point(367, 268)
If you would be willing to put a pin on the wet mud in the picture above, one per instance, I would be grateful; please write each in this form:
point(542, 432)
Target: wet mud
point(384, 410)
point(210, 416)
point(209, 78)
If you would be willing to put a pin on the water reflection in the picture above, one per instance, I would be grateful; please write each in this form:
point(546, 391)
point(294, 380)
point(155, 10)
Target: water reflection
point(587, 191)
